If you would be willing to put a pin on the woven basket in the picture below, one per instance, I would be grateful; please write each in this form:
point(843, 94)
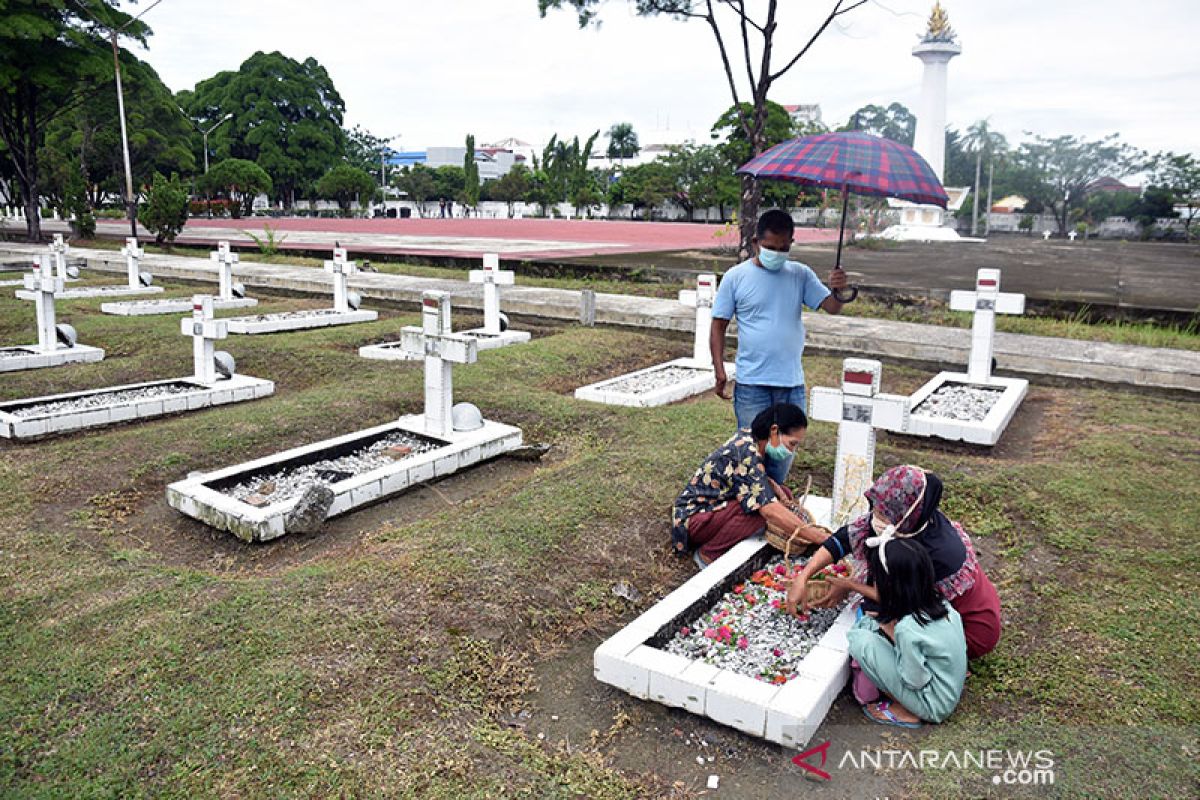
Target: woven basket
point(788, 541)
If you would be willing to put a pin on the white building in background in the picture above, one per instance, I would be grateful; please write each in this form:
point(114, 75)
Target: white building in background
point(493, 163)
point(804, 115)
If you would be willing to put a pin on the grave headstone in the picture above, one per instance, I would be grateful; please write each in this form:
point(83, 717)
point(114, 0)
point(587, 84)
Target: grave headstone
point(58, 249)
point(1045, 236)
point(859, 409)
point(341, 268)
point(133, 256)
point(44, 284)
point(224, 258)
point(986, 302)
point(1071, 235)
point(441, 350)
point(205, 331)
point(702, 300)
point(492, 278)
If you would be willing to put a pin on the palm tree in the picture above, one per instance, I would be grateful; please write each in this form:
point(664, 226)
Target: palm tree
point(622, 141)
point(983, 142)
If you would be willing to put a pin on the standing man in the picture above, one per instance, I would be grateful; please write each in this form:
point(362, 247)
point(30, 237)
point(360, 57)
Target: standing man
point(767, 295)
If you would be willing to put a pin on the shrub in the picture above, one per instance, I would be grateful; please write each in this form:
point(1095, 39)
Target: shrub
point(166, 209)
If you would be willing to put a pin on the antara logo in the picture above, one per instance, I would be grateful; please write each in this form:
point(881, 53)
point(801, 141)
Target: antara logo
point(823, 749)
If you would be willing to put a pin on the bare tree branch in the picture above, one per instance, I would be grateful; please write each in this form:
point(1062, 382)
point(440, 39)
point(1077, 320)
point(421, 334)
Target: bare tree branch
point(837, 12)
point(711, 19)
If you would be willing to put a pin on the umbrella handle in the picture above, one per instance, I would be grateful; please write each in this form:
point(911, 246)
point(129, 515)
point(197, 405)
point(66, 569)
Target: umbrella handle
point(841, 298)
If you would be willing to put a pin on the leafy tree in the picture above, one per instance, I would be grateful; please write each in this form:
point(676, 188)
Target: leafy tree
point(1055, 172)
point(239, 180)
point(166, 209)
point(345, 184)
point(643, 186)
point(702, 178)
point(1157, 202)
point(893, 122)
point(622, 141)
point(450, 181)
point(512, 186)
point(984, 143)
point(363, 149)
point(1179, 173)
point(563, 173)
point(760, 41)
point(735, 147)
point(53, 57)
point(470, 192)
point(419, 182)
point(287, 118)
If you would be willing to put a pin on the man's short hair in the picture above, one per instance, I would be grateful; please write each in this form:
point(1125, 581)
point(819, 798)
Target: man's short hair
point(775, 221)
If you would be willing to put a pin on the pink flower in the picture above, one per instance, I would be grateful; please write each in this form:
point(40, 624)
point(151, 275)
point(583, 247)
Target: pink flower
point(685, 631)
point(739, 588)
point(710, 633)
point(776, 603)
point(743, 643)
point(802, 617)
point(777, 652)
point(780, 569)
point(724, 633)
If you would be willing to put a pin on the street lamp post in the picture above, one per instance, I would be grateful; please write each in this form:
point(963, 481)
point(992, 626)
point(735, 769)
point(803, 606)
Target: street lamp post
point(204, 138)
point(130, 201)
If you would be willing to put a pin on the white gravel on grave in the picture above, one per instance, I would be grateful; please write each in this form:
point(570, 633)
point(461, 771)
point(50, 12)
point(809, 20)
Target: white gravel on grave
point(315, 312)
point(90, 402)
point(960, 401)
point(764, 641)
point(292, 482)
point(655, 379)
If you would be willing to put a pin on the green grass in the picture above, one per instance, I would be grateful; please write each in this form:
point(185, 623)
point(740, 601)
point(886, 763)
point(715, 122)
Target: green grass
point(147, 656)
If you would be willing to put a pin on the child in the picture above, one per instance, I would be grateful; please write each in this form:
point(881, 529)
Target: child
point(913, 648)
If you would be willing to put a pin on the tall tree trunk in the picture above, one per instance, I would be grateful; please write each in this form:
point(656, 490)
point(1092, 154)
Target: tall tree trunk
point(33, 211)
point(748, 209)
point(975, 199)
point(987, 210)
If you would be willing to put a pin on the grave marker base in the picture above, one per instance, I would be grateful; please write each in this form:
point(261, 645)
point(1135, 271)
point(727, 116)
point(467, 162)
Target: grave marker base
point(984, 432)
point(393, 351)
point(234, 390)
point(84, 292)
point(604, 392)
point(787, 714)
point(181, 305)
point(32, 358)
point(195, 497)
point(298, 320)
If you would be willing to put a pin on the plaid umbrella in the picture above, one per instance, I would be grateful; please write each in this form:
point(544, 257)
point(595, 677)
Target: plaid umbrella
point(851, 161)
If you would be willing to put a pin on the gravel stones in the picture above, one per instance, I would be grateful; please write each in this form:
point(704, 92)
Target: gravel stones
point(91, 402)
point(308, 314)
point(646, 382)
point(284, 484)
point(748, 631)
point(960, 401)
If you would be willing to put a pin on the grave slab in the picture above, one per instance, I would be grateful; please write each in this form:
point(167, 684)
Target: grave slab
point(56, 344)
point(674, 380)
point(230, 295)
point(975, 406)
point(631, 661)
point(362, 467)
point(138, 282)
point(61, 413)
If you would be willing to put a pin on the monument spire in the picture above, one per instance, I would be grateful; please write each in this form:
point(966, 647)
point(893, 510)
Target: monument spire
point(936, 48)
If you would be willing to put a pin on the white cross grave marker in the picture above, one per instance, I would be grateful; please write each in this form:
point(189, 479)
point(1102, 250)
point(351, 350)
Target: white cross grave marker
point(341, 269)
point(1045, 236)
point(702, 300)
point(441, 349)
point(133, 254)
point(58, 249)
point(859, 409)
point(45, 285)
point(986, 301)
point(224, 258)
point(492, 278)
point(204, 331)
point(1071, 235)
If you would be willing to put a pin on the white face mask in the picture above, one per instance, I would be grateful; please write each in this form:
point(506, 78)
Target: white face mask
point(885, 532)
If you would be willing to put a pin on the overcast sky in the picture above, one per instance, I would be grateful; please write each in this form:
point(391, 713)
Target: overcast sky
point(435, 70)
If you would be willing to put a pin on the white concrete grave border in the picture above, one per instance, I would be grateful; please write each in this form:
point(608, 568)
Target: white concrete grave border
point(138, 282)
point(204, 389)
point(341, 313)
point(986, 301)
point(228, 294)
point(787, 714)
point(198, 496)
point(489, 337)
point(44, 285)
point(608, 392)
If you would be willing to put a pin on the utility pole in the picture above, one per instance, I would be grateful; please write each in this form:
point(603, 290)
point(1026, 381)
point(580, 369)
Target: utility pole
point(130, 200)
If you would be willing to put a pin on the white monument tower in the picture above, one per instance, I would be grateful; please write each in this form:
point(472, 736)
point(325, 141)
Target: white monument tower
point(937, 46)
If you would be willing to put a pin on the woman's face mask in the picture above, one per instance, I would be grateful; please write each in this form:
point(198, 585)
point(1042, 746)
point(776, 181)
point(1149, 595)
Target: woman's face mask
point(781, 448)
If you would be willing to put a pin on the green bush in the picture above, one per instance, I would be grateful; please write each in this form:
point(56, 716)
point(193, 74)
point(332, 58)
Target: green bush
point(166, 209)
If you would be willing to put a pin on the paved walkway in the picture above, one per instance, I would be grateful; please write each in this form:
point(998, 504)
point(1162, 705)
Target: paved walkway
point(1032, 356)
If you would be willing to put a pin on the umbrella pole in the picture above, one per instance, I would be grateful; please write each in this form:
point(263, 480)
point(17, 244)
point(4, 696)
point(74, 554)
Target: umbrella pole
point(853, 291)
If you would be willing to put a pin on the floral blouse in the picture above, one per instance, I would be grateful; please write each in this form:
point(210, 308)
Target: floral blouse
point(734, 471)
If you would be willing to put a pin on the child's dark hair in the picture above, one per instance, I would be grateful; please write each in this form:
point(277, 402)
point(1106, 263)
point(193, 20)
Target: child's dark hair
point(775, 221)
point(787, 416)
point(906, 587)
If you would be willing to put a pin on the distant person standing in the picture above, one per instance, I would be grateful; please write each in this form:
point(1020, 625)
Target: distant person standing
point(442, 207)
point(767, 295)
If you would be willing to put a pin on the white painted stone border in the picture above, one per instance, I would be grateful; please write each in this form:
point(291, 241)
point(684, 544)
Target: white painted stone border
point(79, 354)
point(702, 382)
point(788, 714)
point(276, 323)
point(393, 351)
point(234, 390)
point(85, 292)
point(194, 498)
point(174, 305)
point(986, 431)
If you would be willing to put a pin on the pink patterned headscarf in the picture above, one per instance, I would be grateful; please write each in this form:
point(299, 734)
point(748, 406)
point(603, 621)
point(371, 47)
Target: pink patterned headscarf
point(893, 496)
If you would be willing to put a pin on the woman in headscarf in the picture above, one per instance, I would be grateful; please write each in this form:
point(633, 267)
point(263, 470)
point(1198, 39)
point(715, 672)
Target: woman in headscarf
point(904, 504)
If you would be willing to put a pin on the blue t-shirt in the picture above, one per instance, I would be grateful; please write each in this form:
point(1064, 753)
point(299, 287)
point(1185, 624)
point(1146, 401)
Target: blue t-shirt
point(768, 308)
